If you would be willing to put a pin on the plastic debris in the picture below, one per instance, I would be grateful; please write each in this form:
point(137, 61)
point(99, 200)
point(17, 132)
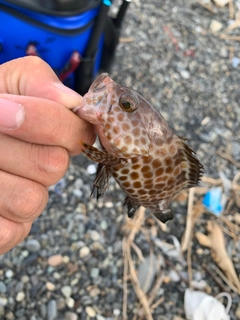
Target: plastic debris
point(235, 62)
point(200, 306)
point(213, 200)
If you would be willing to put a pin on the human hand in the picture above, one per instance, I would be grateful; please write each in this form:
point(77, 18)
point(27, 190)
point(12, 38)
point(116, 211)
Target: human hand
point(38, 132)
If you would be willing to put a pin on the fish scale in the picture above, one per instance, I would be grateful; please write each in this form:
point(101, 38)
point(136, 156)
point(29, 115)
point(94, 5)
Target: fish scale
point(150, 163)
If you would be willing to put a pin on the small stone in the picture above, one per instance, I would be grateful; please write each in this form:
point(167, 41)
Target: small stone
point(74, 282)
point(66, 291)
point(221, 3)
point(95, 235)
point(116, 312)
point(99, 317)
point(66, 259)
point(19, 287)
point(94, 273)
point(20, 296)
point(185, 74)
point(3, 301)
point(70, 316)
point(78, 193)
point(43, 310)
point(33, 245)
point(177, 318)
point(3, 288)
point(50, 286)
point(56, 260)
point(84, 251)
point(90, 312)
point(52, 310)
point(199, 251)
point(61, 304)
point(108, 204)
point(174, 276)
point(215, 26)
point(237, 313)
point(9, 316)
point(70, 302)
point(9, 273)
point(91, 169)
point(95, 291)
point(104, 225)
point(56, 275)
point(25, 279)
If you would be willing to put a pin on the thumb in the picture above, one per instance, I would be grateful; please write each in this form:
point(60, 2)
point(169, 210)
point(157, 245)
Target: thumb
point(31, 76)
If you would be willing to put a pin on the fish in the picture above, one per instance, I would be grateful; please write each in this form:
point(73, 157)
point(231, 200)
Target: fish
point(138, 149)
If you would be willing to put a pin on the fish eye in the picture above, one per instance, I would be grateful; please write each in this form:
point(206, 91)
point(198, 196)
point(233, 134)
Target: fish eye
point(126, 105)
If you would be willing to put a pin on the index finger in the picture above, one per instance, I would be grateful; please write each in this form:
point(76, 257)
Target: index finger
point(31, 76)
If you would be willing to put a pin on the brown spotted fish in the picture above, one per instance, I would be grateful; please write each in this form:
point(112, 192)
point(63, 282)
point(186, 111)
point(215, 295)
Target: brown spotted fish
point(149, 162)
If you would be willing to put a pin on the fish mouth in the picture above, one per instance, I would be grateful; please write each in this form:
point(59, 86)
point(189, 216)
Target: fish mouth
point(100, 83)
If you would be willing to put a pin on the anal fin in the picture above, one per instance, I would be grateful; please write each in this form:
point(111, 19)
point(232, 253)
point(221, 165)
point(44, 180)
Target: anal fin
point(131, 206)
point(163, 215)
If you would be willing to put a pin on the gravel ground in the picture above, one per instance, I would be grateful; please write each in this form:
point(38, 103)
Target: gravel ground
point(71, 265)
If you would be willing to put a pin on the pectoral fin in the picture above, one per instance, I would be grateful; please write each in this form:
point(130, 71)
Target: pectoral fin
point(99, 155)
point(101, 181)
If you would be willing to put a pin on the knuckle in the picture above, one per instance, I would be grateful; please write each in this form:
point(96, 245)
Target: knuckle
point(6, 235)
point(28, 202)
point(55, 164)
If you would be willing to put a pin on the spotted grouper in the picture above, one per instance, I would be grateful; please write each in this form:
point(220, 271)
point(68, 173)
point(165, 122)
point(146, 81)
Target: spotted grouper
point(150, 163)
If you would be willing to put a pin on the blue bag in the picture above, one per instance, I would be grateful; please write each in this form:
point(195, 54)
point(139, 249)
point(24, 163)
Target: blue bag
point(75, 37)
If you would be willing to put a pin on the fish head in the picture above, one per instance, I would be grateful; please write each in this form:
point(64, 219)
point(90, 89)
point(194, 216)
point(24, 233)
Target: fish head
point(115, 112)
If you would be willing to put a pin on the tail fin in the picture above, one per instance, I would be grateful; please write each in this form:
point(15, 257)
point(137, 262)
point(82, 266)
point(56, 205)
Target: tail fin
point(192, 169)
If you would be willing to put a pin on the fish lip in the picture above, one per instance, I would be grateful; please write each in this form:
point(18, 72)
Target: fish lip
point(99, 84)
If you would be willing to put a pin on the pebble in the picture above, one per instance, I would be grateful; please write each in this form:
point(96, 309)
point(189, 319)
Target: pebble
point(25, 279)
point(50, 286)
point(78, 193)
point(94, 272)
point(3, 301)
point(99, 317)
point(70, 316)
point(9, 273)
point(95, 235)
point(116, 312)
point(56, 275)
point(66, 291)
point(90, 312)
point(237, 313)
point(215, 26)
point(91, 169)
point(95, 291)
point(33, 245)
point(174, 276)
point(9, 316)
point(20, 296)
point(43, 310)
point(84, 251)
point(52, 310)
point(3, 287)
point(185, 74)
point(104, 225)
point(70, 302)
point(66, 259)
point(55, 260)
point(108, 204)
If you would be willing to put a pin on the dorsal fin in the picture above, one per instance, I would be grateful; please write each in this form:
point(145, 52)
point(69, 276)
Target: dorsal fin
point(192, 169)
